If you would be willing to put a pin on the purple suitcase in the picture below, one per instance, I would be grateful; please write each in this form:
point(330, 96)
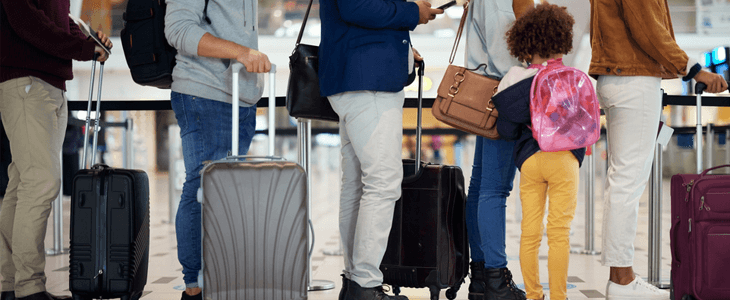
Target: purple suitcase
point(700, 236)
point(700, 232)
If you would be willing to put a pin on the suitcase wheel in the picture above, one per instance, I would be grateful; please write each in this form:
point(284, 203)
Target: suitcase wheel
point(688, 297)
point(451, 293)
point(434, 292)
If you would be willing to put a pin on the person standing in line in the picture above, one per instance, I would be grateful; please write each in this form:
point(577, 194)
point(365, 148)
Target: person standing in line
point(201, 98)
point(37, 44)
point(633, 49)
point(365, 58)
point(542, 36)
point(494, 169)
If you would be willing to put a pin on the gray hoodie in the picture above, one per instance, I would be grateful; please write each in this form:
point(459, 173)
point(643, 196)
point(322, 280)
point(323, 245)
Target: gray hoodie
point(233, 20)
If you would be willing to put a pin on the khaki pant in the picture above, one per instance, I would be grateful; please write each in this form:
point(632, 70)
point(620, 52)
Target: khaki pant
point(553, 175)
point(34, 115)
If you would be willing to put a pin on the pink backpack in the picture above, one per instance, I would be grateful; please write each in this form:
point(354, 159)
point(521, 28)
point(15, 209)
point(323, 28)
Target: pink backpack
point(564, 110)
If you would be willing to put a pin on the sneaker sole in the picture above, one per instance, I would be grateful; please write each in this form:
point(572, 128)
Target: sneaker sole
point(637, 298)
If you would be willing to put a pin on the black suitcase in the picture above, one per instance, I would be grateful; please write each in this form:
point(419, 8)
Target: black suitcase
point(428, 245)
point(110, 225)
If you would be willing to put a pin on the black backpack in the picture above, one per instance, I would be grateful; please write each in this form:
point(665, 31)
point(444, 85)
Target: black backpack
point(149, 56)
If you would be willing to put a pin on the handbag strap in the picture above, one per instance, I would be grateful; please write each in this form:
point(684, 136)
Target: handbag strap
point(459, 31)
point(304, 23)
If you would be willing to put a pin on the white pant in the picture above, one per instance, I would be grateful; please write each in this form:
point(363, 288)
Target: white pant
point(371, 130)
point(633, 108)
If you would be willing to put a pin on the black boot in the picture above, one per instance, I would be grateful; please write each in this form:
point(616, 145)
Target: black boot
point(185, 296)
point(10, 295)
point(477, 286)
point(356, 292)
point(499, 285)
point(343, 290)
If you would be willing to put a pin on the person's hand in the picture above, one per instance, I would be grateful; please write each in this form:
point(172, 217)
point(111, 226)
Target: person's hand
point(416, 56)
point(426, 13)
point(103, 56)
point(104, 39)
point(715, 82)
point(255, 61)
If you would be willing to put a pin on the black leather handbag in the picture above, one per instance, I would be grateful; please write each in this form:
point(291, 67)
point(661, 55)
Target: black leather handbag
point(302, 94)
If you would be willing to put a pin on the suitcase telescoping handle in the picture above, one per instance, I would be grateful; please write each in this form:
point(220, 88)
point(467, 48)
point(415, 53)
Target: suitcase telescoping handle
point(699, 88)
point(236, 69)
point(88, 112)
point(421, 67)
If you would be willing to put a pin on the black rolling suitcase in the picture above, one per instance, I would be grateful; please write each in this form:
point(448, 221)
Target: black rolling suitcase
point(110, 225)
point(428, 245)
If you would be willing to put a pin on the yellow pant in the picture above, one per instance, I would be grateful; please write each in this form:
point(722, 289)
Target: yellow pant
point(553, 174)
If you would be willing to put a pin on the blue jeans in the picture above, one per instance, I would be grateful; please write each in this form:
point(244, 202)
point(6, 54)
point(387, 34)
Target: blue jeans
point(205, 129)
point(491, 181)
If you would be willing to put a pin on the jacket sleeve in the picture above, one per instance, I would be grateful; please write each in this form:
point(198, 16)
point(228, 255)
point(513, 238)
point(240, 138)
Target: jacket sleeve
point(182, 25)
point(35, 27)
point(508, 130)
point(380, 14)
point(644, 20)
point(75, 30)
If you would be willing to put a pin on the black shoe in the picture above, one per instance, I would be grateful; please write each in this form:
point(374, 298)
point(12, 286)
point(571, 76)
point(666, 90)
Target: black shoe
point(499, 285)
point(44, 296)
point(343, 290)
point(477, 286)
point(185, 296)
point(10, 295)
point(356, 292)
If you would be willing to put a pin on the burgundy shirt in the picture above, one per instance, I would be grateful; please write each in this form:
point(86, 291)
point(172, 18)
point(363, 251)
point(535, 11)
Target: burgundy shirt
point(37, 38)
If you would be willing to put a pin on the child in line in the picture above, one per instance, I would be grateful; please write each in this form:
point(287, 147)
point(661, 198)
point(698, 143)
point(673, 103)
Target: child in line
point(543, 33)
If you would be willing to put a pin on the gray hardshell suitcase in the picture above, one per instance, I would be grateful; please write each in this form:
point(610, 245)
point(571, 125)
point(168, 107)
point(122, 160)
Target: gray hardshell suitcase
point(254, 214)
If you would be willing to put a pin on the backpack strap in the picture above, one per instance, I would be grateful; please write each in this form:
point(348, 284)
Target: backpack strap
point(205, 12)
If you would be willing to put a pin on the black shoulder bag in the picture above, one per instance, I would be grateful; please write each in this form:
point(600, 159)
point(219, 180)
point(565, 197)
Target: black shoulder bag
point(302, 95)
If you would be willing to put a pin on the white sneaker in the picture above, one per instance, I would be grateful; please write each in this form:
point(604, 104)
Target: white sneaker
point(637, 289)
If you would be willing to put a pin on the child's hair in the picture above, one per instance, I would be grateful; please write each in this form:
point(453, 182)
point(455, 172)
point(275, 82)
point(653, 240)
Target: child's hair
point(546, 29)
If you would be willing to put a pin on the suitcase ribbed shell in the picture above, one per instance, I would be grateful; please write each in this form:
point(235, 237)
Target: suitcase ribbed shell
point(254, 230)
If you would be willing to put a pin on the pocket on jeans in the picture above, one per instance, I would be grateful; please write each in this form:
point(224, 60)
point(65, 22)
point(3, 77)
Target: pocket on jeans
point(177, 101)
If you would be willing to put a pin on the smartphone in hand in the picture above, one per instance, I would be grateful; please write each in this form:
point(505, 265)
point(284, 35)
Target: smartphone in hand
point(447, 5)
point(90, 33)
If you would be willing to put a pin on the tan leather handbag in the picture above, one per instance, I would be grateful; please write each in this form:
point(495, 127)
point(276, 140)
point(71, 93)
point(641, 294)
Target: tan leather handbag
point(464, 98)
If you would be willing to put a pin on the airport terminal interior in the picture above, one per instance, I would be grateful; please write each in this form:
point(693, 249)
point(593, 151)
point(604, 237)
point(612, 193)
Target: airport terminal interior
point(153, 145)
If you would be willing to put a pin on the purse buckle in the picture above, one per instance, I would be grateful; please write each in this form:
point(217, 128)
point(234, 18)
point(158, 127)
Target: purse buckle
point(457, 79)
point(489, 103)
point(453, 90)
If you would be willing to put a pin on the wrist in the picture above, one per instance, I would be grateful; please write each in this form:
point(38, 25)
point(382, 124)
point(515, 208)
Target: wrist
point(693, 72)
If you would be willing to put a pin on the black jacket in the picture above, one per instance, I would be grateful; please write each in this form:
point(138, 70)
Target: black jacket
point(513, 104)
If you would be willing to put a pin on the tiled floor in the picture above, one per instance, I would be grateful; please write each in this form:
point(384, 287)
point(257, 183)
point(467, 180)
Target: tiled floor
point(587, 278)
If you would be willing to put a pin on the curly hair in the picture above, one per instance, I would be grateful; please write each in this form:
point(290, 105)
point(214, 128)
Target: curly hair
point(546, 29)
